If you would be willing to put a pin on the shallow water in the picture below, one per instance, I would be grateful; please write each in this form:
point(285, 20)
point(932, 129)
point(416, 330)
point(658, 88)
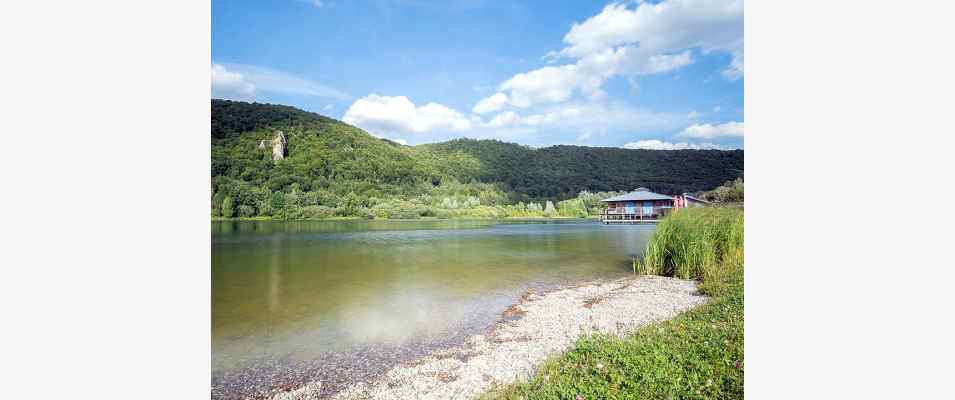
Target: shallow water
point(291, 300)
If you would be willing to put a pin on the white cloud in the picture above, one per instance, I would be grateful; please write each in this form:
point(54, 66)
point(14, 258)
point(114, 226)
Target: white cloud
point(585, 116)
point(693, 114)
point(271, 80)
point(584, 120)
point(328, 107)
point(382, 114)
point(554, 84)
point(508, 118)
point(565, 114)
point(491, 104)
point(654, 144)
point(709, 131)
point(667, 26)
point(735, 70)
point(230, 85)
point(665, 62)
point(396, 115)
point(648, 39)
point(400, 141)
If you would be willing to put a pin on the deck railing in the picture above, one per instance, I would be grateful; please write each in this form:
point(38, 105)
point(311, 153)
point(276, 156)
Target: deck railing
point(634, 213)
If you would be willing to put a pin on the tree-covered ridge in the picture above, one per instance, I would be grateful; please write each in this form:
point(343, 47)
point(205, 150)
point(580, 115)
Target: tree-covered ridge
point(563, 171)
point(334, 169)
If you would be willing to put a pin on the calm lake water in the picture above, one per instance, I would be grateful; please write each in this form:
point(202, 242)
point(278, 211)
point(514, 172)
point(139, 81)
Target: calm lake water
point(344, 299)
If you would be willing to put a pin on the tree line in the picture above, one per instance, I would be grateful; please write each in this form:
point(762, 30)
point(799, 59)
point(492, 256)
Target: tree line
point(333, 169)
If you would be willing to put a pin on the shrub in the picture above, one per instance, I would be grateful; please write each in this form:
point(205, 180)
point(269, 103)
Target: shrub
point(729, 192)
point(264, 207)
point(228, 208)
point(350, 204)
point(399, 209)
point(366, 213)
point(278, 201)
point(572, 208)
point(549, 210)
point(317, 212)
point(449, 203)
point(217, 203)
point(246, 211)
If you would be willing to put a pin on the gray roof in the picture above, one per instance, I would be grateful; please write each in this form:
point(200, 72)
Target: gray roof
point(695, 199)
point(640, 194)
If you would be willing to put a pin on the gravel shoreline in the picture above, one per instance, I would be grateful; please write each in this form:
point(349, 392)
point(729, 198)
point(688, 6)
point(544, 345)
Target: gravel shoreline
point(540, 325)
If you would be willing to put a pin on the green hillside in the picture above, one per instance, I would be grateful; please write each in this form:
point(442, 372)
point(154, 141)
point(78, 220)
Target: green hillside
point(563, 171)
point(334, 169)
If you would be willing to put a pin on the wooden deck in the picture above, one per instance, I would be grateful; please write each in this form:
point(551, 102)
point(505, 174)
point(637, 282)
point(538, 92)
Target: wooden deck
point(630, 221)
point(636, 216)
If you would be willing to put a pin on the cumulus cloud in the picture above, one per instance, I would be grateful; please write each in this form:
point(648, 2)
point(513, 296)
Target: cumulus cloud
point(508, 118)
point(491, 104)
point(709, 131)
point(572, 122)
point(668, 25)
point(654, 144)
point(665, 62)
point(390, 116)
point(548, 84)
point(382, 114)
point(648, 39)
point(230, 85)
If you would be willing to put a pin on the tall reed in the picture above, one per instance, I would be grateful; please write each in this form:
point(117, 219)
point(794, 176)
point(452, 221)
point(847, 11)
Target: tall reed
point(695, 243)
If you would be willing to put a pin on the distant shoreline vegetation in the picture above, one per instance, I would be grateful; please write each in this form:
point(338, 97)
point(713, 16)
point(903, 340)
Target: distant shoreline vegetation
point(280, 163)
point(294, 208)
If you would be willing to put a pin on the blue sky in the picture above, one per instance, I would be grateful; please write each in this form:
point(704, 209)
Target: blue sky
point(630, 74)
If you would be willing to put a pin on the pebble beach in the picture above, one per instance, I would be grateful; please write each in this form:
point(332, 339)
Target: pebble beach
point(540, 325)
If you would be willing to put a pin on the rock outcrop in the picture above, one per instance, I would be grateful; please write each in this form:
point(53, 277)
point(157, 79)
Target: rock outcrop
point(279, 146)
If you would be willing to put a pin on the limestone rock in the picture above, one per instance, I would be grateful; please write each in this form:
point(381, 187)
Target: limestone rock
point(279, 146)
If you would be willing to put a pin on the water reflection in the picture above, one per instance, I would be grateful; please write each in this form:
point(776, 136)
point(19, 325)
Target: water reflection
point(275, 278)
point(300, 289)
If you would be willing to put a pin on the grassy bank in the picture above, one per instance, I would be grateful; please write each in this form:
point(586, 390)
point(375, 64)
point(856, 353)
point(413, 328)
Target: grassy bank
point(698, 355)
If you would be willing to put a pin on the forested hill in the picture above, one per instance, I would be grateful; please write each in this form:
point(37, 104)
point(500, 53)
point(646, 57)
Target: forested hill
point(324, 167)
point(562, 171)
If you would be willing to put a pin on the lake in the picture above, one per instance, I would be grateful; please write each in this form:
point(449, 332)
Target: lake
point(343, 301)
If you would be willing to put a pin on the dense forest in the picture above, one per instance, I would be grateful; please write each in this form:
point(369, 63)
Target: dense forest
point(563, 171)
point(328, 168)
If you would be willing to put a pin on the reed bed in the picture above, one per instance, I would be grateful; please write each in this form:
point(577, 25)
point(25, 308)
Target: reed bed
point(695, 243)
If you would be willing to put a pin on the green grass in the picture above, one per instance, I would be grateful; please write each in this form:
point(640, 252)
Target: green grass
point(697, 355)
point(696, 243)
